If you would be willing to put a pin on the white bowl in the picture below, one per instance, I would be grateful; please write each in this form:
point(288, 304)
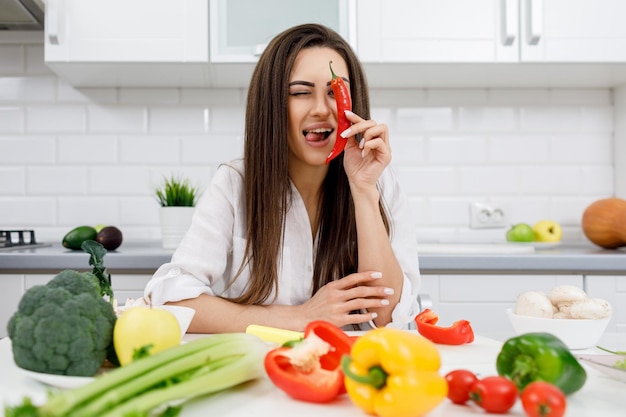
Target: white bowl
point(182, 314)
point(575, 333)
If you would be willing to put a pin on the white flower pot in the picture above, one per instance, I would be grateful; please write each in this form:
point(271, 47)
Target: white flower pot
point(174, 224)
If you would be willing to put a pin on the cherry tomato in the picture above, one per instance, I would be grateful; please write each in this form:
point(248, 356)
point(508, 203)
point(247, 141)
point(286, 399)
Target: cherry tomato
point(460, 382)
point(495, 394)
point(542, 399)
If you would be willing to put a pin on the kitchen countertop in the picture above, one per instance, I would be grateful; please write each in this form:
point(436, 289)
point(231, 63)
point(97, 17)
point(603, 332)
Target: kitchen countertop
point(131, 257)
point(566, 258)
point(437, 258)
point(600, 396)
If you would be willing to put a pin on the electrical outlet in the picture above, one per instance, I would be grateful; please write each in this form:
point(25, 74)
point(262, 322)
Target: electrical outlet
point(484, 216)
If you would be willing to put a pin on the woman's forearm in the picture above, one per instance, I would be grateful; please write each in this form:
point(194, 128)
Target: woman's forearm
point(217, 315)
point(375, 251)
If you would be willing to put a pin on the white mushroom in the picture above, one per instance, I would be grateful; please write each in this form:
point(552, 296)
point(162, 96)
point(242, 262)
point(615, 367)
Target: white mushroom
point(562, 315)
point(591, 308)
point(563, 296)
point(534, 304)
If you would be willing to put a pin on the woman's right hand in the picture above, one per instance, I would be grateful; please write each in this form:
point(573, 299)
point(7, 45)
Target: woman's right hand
point(364, 162)
point(337, 301)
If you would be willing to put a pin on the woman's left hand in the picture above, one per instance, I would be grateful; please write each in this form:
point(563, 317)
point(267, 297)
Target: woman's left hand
point(364, 162)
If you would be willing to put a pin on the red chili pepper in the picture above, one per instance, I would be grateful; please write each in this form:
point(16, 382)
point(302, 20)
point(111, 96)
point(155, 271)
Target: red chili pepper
point(342, 98)
point(459, 333)
point(310, 369)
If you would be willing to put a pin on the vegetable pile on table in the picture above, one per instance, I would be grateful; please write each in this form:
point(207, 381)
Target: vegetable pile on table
point(170, 377)
point(65, 327)
point(385, 372)
point(536, 368)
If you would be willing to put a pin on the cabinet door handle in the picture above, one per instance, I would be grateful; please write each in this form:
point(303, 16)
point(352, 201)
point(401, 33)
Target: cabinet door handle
point(52, 21)
point(507, 22)
point(534, 21)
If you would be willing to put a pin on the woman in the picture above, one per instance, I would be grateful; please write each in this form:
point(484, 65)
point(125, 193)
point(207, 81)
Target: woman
point(282, 238)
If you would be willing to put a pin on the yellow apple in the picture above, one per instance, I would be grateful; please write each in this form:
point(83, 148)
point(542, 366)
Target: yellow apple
point(547, 231)
point(141, 331)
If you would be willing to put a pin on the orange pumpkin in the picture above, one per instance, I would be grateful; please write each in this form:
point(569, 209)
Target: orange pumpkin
point(604, 222)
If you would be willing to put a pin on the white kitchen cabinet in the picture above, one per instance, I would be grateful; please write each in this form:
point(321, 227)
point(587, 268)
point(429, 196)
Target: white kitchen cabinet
point(137, 43)
point(166, 43)
point(241, 29)
point(10, 291)
point(491, 31)
point(123, 31)
point(403, 43)
point(572, 31)
point(483, 299)
point(429, 31)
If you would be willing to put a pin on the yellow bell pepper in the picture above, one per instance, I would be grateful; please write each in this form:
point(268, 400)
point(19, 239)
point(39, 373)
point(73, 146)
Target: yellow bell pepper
point(394, 373)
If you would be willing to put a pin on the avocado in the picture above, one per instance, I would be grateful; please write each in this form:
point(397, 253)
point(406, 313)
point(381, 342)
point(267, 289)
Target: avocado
point(110, 237)
point(75, 237)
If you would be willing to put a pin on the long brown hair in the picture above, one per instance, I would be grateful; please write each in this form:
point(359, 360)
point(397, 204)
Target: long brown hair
point(266, 180)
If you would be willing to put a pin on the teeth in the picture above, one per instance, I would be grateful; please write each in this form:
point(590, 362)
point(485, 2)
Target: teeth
point(320, 130)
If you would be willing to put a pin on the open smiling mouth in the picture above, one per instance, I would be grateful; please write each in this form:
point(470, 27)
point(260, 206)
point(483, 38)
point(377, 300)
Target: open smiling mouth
point(317, 135)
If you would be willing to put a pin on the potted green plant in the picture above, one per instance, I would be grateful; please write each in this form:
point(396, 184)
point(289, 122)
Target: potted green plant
point(177, 198)
point(176, 192)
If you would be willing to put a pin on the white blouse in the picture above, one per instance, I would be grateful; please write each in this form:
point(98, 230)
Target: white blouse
point(211, 252)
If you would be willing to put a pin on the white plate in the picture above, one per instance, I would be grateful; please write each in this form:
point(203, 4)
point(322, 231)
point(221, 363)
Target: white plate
point(605, 364)
point(544, 245)
point(59, 381)
point(537, 245)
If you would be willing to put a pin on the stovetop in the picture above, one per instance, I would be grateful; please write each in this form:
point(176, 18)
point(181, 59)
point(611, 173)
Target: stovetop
point(22, 239)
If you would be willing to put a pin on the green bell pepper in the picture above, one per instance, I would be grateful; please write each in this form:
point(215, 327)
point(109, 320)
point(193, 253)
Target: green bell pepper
point(540, 357)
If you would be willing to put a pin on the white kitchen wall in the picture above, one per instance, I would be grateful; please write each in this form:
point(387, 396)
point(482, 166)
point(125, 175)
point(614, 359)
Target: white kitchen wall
point(93, 156)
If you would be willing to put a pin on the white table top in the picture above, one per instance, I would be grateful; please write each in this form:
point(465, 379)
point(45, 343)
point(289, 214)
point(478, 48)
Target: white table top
point(601, 395)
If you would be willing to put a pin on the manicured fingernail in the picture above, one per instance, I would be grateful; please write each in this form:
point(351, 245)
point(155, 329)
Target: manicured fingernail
point(377, 275)
point(373, 315)
point(345, 133)
point(362, 144)
point(388, 291)
point(384, 302)
point(348, 113)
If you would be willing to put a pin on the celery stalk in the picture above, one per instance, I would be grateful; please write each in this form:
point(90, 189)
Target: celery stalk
point(242, 369)
point(210, 358)
point(179, 373)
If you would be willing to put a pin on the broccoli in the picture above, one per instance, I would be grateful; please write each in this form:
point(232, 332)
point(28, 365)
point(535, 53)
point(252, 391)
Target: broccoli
point(64, 327)
point(96, 258)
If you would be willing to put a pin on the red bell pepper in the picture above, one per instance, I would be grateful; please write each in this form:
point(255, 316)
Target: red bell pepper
point(310, 369)
point(459, 333)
